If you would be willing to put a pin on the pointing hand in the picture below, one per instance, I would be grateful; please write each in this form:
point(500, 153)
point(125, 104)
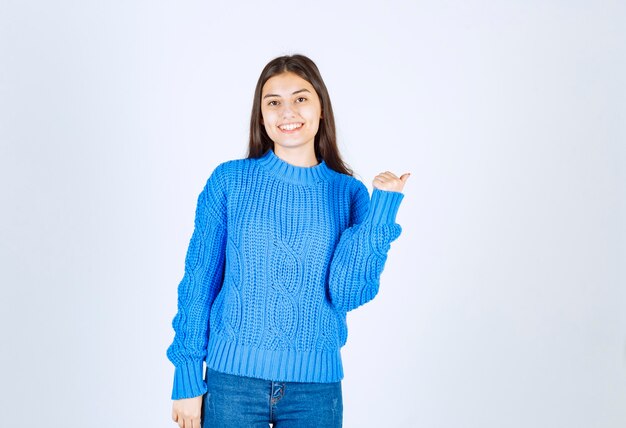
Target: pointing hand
point(389, 181)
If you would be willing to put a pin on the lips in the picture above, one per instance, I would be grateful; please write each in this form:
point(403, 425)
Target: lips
point(290, 127)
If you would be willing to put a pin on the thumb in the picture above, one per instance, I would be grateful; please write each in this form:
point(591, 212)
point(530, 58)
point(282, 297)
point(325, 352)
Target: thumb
point(405, 177)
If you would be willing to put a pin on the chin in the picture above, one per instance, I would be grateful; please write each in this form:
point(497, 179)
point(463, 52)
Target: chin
point(288, 145)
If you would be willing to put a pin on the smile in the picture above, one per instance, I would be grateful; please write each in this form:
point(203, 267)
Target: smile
point(290, 126)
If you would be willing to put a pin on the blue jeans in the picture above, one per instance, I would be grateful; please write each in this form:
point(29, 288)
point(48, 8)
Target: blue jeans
point(241, 402)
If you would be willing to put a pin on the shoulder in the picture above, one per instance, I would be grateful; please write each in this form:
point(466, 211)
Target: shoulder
point(229, 166)
point(226, 172)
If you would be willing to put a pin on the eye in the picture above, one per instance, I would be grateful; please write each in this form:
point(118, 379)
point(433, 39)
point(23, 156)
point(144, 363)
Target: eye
point(301, 98)
point(270, 103)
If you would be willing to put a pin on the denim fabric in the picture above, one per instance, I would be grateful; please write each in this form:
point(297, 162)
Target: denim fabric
point(241, 402)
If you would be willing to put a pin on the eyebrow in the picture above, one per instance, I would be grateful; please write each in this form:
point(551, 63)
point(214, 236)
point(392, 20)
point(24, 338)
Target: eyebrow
point(296, 92)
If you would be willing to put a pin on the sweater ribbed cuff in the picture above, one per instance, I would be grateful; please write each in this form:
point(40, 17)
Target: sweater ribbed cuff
point(384, 206)
point(188, 381)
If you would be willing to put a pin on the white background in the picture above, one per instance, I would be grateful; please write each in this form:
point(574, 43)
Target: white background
point(503, 302)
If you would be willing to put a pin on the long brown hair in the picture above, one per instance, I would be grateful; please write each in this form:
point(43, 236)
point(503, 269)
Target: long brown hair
point(326, 137)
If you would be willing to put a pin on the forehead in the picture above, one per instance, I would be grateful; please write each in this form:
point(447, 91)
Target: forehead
point(286, 84)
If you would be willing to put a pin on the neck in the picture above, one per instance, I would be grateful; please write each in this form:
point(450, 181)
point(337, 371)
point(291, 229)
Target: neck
point(297, 156)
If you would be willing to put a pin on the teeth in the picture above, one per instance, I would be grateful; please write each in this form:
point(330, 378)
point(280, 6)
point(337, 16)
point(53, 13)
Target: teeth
point(291, 126)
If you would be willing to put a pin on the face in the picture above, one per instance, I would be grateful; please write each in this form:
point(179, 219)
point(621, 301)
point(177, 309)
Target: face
point(291, 110)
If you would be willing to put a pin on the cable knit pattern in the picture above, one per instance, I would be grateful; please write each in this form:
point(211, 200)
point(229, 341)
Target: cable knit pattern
point(279, 254)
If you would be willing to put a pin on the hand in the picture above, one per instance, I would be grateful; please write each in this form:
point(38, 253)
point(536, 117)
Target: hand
point(389, 181)
point(186, 412)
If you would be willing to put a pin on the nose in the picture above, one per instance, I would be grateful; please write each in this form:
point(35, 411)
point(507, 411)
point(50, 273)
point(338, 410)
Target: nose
point(287, 111)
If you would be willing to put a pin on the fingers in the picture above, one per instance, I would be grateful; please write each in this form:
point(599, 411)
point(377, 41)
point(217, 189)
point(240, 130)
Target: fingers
point(188, 422)
point(385, 176)
point(187, 412)
point(180, 420)
point(388, 175)
point(389, 181)
point(176, 418)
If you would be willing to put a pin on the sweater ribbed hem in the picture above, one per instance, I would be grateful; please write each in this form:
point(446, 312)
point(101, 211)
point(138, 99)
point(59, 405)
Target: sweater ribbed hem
point(188, 381)
point(286, 365)
point(384, 206)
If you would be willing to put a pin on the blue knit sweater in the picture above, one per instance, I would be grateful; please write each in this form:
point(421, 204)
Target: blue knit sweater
point(278, 255)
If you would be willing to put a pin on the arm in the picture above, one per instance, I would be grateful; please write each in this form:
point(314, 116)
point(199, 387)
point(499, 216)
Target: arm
point(360, 255)
point(202, 280)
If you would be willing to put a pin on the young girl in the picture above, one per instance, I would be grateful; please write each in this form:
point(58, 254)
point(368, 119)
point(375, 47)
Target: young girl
point(285, 242)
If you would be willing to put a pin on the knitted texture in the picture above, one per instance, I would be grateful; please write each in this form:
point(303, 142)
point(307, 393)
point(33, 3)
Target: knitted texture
point(279, 254)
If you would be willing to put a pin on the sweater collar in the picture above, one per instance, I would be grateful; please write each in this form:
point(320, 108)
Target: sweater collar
point(292, 173)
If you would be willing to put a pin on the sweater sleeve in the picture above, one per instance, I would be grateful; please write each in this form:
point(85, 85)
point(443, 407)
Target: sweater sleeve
point(202, 280)
point(359, 257)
